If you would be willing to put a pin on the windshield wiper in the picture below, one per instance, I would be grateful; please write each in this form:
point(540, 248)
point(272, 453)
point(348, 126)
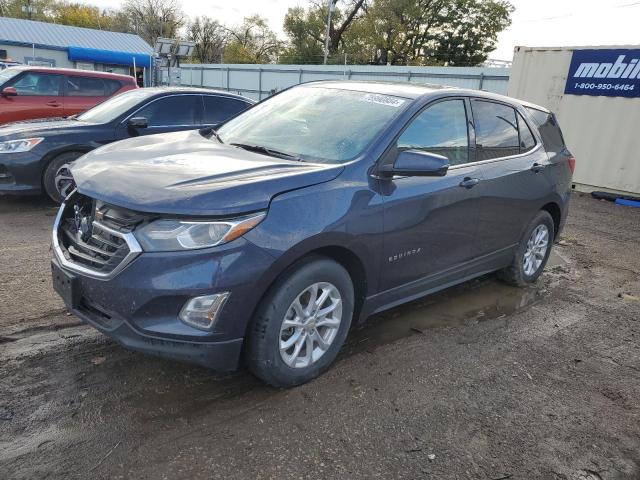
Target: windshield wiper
point(267, 151)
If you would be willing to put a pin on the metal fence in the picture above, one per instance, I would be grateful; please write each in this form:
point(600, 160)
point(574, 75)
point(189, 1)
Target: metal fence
point(260, 81)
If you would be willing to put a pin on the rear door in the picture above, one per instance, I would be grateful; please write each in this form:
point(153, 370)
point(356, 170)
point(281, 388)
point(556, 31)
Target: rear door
point(82, 93)
point(512, 162)
point(39, 96)
point(218, 109)
point(430, 222)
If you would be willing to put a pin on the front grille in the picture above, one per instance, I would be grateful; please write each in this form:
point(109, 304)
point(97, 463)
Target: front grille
point(96, 236)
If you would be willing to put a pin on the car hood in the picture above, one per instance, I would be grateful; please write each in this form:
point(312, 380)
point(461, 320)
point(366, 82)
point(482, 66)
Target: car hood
point(185, 173)
point(38, 127)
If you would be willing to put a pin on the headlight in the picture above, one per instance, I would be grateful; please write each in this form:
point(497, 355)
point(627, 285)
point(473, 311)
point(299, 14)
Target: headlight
point(17, 146)
point(171, 235)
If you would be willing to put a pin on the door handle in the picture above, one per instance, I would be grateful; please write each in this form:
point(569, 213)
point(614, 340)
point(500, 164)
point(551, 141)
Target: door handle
point(469, 182)
point(536, 168)
point(53, 103)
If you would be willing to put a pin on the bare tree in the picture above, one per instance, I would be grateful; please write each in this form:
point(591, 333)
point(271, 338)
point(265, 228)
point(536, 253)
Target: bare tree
point(210, 37)
point(154, 18)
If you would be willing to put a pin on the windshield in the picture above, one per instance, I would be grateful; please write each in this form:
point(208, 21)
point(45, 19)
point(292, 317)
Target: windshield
point(111, 109)
point(7, 74)
point(315, 123)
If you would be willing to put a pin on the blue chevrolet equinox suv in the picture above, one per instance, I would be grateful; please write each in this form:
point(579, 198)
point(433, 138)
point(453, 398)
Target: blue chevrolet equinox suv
point(264, 241)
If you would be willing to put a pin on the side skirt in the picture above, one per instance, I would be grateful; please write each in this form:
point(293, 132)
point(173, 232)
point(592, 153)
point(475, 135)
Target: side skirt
point(436, 282)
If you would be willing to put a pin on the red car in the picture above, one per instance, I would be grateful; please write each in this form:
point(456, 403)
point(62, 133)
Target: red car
point(36, 92)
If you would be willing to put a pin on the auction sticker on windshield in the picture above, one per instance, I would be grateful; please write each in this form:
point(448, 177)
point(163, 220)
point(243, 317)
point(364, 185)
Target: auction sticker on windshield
point(383, 100)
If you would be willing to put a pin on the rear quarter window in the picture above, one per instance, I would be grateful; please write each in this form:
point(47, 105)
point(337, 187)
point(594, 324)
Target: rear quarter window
point(549, 129)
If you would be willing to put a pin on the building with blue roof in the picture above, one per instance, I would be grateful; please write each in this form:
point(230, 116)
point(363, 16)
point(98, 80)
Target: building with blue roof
point(53, 45)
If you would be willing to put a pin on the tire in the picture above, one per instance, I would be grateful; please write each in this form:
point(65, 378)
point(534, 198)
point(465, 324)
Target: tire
point(54, 167)
point(268, 332)
point(519, 273)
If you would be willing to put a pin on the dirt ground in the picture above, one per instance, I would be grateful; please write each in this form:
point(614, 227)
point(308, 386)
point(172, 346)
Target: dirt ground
point(482, 381)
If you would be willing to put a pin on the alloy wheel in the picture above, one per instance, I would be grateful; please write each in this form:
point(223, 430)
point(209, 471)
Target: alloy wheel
point(63, 180)
point(310, 325)
point(536, 250)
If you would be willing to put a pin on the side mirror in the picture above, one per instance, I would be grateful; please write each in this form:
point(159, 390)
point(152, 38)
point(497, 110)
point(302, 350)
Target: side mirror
point(9, 92)
point(138, 122)
point(416, 163)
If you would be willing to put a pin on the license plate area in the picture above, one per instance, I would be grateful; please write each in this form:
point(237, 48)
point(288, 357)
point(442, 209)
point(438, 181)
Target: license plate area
point(65, 285)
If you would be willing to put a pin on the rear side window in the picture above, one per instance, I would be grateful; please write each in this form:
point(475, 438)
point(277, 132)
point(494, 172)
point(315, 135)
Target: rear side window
point(111, 86)
point(173, 111)
point(85, 87)
point(440, 129)
point(496, 130)
point(218, 109)
point(548, 128)
point(35, 84)
point(527, 140)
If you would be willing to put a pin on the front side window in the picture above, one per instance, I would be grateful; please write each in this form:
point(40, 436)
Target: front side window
point(35, 84)
point(85, 87)
point(440, 129)
point(173, 111)
point(496, 130)
point(112, 108)
point(315, 123)
point(218, 109)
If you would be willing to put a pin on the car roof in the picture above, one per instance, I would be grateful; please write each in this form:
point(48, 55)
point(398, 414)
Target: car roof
point(73, 71)
point(161, 90)
point(416, 90)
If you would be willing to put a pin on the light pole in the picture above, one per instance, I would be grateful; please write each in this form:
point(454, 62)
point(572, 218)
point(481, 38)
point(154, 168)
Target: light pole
point(332, 6)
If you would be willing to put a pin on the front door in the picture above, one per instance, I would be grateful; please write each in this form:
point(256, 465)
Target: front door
point(430, 222)
point(39, 95)
point(167, 114)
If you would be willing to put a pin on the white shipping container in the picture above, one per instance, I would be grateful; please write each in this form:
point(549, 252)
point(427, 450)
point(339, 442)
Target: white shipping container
point(603, 132)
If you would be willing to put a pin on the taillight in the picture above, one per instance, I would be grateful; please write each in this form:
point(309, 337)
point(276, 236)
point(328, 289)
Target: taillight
point(572, 163)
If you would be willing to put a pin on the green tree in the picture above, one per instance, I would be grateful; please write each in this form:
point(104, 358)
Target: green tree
point(402, 32)
point(79, 15)
point(306, 29)
point(252, 42)
point(40, 9)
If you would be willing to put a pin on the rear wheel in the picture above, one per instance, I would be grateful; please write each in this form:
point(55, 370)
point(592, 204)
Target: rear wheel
point(532, 253)
point(57, 180)
point(301, 323)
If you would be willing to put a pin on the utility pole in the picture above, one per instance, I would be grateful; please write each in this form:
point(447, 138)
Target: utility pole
point(332, 6)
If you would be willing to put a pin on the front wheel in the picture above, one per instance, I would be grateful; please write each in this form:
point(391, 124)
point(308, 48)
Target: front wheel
point(532, 253)
point(57, 180)
point(301, 323)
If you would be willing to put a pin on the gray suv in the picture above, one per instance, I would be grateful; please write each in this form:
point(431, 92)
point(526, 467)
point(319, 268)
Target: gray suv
point(265, 240)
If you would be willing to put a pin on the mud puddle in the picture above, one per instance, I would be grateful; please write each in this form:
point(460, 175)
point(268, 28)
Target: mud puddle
point(482, 299)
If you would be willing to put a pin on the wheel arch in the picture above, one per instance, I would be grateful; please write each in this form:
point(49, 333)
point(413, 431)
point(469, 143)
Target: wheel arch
point(344, 256)
point(556, 214)
point(52, 154)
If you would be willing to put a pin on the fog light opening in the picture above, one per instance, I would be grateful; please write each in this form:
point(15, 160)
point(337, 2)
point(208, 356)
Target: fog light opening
point(202, 312)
